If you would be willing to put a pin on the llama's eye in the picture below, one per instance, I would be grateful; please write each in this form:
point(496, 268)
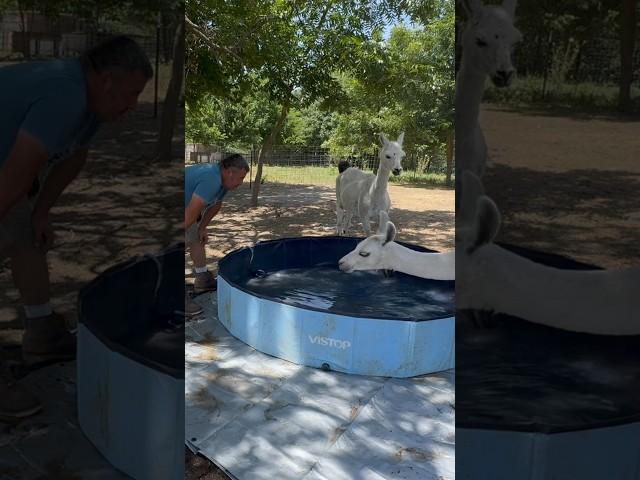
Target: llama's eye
point(364, 254)
point(388, 156)
point(480, 42)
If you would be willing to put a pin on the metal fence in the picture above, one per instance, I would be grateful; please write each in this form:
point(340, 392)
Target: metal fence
point(34, 36)
point(313, 165)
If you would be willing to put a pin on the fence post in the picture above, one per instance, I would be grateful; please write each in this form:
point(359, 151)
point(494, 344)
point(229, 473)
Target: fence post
point(157, 72)
point(253, 149)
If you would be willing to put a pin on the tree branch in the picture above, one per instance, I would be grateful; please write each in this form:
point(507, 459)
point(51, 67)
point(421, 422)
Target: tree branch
point(209, 41)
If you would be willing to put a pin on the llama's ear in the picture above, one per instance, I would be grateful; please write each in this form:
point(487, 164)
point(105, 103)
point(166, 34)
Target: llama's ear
point(383, 219)
point(509, 6)
point(471, 190)
point(391, 233)
point(487, 222)
point(471, 7)
point(400, 138)
point(383, 139)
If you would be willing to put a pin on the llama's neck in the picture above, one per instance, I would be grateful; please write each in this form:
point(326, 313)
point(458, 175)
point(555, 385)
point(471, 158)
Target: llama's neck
point(381, 182)
point(595, 301)
point(435, 266)
point(469, 90)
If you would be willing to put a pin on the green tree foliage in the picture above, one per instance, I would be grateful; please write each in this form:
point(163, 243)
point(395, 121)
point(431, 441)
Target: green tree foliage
point(580, 41)
point(315, 60)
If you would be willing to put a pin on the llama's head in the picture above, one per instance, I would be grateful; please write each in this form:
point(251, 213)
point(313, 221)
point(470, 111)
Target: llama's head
point(488, 39)
point(392, 154)
point(370, 253)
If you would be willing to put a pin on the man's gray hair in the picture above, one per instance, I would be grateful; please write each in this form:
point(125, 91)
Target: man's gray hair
point(120, 51)
point(235, 161)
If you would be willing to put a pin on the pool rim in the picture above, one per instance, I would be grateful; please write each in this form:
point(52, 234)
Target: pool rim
point(245, 290)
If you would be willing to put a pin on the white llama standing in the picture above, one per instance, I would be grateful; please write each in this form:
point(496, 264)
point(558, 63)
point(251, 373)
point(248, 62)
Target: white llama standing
point(487, 42)
point(380, 252)
point(366, 194)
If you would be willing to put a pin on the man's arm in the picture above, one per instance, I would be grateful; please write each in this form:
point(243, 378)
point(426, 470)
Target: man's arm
point(195, 206)
point(210, 213)
point(58, 179)
point(27, 156)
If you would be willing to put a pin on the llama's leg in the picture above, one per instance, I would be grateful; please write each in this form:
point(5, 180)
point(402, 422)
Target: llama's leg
point(348, 216)
point(340, 213)
point(366, 224)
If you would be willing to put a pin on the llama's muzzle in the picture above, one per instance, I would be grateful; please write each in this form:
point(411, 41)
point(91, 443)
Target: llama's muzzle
point(344, 266)
point(502, 78)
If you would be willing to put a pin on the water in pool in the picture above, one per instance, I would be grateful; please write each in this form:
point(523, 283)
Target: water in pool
point(364, 294)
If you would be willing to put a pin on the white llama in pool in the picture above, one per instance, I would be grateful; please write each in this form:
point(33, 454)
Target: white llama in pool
point(491, 278)
point(487, 43)
point(380, 252)
point(366, 194)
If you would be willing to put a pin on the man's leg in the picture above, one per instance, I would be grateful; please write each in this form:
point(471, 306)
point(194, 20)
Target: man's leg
point(46, 337)
point(198, 255)
point(204, 281)
point(30, 275)
point(15, 401)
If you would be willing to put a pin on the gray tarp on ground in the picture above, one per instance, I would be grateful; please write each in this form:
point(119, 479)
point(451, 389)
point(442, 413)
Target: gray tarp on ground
point(260, 417)
point(51, 444)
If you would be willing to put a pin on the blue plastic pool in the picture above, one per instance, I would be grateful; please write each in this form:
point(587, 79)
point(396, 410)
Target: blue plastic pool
point(288, 298)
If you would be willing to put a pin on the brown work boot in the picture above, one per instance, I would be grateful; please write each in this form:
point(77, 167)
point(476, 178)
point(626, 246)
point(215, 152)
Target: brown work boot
point(16, 402)
point(191, 308)
point(47, 340)
point(205, 282)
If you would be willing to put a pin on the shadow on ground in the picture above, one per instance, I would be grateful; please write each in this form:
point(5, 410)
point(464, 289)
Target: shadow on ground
point(309, 210)
point(590, 215)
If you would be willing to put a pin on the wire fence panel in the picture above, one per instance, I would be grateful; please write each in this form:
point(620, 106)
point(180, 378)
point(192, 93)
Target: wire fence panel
point(313, 165)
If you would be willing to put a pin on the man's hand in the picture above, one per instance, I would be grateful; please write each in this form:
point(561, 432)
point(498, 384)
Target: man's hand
point(60, 176)
point(43, 231)
point(193, 210)
point(27, 156)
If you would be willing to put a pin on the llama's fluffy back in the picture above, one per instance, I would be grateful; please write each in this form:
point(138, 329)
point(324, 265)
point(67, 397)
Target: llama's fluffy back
point(350, 186)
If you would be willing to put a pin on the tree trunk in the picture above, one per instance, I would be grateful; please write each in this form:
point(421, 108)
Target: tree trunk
point(449, 156)
point(170, 107)
point(264, 151)
point(627, 40)
point(26, 44)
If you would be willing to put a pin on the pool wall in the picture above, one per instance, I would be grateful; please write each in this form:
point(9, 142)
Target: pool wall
point(317, 338)
point(130, 365)
point(522, 428)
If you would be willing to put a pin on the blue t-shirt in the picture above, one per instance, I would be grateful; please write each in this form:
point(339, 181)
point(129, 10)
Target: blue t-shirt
point(49, 101)
point(205, 180)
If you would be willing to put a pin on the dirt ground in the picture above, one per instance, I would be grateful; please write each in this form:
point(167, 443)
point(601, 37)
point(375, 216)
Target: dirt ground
point(423, 216)
point(566, 183)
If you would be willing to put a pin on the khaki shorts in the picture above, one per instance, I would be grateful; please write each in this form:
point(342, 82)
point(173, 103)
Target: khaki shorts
point(15, 227)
